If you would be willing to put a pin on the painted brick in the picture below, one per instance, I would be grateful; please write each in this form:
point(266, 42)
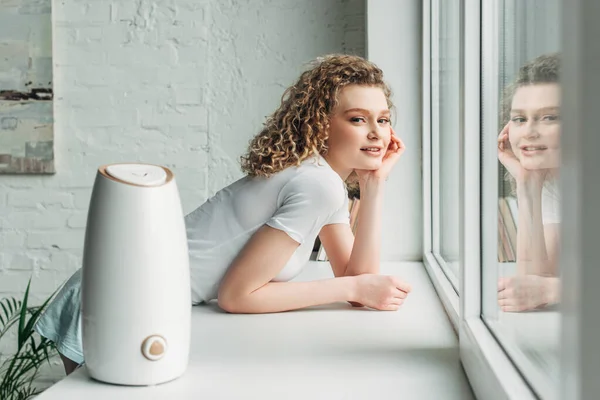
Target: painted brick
point(104, 117)
point(195, 12)
point(14, 281)
point(39, 219)
point(20, 261)
point(10, 239)
point(125, 10)
point(93, 57)
point(61, 261)
point(125, 56)
point(94, 11)
point(193, 51)
point(185, 116)
point(46, 281)
point(82, 198)
point(78, 220)
point(35, 197)
point(188, 96)
point(72, 239)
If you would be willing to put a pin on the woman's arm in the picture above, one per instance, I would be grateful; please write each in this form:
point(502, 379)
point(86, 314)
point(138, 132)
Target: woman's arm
point(531, 245)
point(532, 254)
point(247, 286)
point(536, 283)
point(349, 255)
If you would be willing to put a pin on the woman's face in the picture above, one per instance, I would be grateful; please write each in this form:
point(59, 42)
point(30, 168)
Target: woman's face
point(359, 132)
point(534, 130)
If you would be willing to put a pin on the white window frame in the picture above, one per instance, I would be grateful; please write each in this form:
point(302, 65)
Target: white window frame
point(580, 275)
point(492, 14)
point(435, 154)
point(436, 269)
point(490, 371)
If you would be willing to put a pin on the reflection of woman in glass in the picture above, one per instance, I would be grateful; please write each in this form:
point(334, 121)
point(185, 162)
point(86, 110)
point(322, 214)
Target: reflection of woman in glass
point(529, 148)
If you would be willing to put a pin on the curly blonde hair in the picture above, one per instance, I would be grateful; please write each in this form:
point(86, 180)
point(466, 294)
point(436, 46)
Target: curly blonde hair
point(299, 127)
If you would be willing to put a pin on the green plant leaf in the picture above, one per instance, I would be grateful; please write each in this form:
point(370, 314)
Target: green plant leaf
point(18, 372)
point(36, 313)
point(20, 335)
point(8, 313)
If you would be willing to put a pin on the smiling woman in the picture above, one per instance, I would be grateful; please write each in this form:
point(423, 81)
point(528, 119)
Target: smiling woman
point(529, 149)
point(360, 129)
point(249, 240)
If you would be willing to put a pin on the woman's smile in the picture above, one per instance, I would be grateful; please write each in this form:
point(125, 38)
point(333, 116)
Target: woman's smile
point(372, 151)
point(531, 150)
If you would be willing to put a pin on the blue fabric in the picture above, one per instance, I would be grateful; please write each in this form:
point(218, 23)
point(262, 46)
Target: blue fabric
point(61, 322)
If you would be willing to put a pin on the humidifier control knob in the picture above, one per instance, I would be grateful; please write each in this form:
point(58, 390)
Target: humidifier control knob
point(154, 347)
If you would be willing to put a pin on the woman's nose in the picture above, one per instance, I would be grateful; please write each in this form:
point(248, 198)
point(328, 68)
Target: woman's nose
point(378, 132)
point(374, 133)
point(532, 129)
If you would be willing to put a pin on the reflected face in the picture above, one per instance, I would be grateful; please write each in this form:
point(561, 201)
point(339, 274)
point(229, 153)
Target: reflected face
point(534, 130)
point(359, 131)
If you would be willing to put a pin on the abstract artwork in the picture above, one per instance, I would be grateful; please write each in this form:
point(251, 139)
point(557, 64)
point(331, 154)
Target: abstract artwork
point(26, 118)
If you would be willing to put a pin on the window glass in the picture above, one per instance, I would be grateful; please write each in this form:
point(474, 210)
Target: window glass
point(521, 287)
point(445, 113)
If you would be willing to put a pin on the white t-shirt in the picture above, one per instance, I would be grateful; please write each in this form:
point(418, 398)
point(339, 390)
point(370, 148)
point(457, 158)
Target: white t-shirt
point(550, 202)
point(298, 201)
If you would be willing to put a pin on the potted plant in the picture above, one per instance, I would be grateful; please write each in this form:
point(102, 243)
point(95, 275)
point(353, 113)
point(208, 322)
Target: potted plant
point(18, 372)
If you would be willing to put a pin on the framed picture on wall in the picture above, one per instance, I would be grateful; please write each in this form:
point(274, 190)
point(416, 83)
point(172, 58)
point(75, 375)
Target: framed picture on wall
point(26, 117)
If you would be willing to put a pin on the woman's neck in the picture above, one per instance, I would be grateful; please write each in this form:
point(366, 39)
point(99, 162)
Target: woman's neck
point(344, 173)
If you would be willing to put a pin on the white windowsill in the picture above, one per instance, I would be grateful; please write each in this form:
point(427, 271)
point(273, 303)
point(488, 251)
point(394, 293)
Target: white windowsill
point(444, 288)
point(329, 352)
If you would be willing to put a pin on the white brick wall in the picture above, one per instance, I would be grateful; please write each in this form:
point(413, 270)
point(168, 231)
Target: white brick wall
point(182, 83)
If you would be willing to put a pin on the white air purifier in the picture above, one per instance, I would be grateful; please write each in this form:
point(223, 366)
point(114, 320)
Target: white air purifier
point(135, 290)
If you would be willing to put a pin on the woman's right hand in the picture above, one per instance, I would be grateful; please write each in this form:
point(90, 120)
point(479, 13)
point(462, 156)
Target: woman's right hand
point(512, 164)
point(381, 292)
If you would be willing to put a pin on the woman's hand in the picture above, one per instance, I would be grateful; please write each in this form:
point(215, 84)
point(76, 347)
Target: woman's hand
point(510, 161)
point(527, 292)
point(390, 158)
point(381, 292)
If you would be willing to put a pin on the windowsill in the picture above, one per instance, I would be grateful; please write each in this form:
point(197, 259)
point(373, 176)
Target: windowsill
point(445, 290)
point(532, 339)
point(322, 352)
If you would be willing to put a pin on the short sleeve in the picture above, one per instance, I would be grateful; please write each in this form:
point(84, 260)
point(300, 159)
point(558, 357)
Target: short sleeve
point(342, 214)
point(305, 204)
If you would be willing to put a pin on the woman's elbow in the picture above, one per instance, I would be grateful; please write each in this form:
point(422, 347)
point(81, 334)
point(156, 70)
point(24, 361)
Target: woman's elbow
point(233, 303)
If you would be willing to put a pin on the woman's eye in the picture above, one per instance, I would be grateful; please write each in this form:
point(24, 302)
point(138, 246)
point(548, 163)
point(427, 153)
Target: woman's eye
point(550, 118)
point(357, 119)
point(518, 120)
point(384, 121)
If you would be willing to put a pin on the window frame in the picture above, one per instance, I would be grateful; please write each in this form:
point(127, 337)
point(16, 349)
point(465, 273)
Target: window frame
point(436, 201)
point(491, 372)
point(435, 267)
point(580, 357)
point(492, 55)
